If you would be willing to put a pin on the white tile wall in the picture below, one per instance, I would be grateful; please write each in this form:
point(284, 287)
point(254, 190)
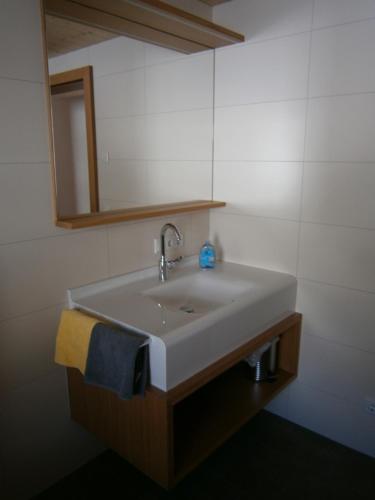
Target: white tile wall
point(333, 417)
point(123, 179)
point(19, 184)
point(120, 95)
point(157, 55)
point(331, 12)
point(165, 185)
point(340, 128)
point(338, 255)
point(266, 131)
point(267, 189)
point(274, 70)
point(22, 119)
point(339, 193)
point(199, 230)
point(116, 56)
point(71, 60)
point(326, 195)
point(342, 59)
point(183, 135)
point(36, 273)
point(184, 84)
point(27, 345)
point(21, 56)
point(123, 138)
point(343, 371)
point(265, 19)
point(257, 241)
point(338, 314)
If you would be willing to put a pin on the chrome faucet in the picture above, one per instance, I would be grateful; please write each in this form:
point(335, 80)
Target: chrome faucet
point(164, 263)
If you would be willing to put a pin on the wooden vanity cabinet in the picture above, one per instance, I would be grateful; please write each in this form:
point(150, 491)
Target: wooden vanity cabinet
point(167, 434)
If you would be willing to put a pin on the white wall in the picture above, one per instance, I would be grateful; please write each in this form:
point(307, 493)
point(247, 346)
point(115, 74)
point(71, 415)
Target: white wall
point(295, 160)
point(38, 262)
point(70, 149)
point(154, 118)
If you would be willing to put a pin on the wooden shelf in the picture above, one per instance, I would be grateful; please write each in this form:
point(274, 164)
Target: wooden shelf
point(152, 21)
point(113, 216)
point(207, 418)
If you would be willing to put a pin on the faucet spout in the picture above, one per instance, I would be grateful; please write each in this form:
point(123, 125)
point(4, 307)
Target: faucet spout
point(163, 263)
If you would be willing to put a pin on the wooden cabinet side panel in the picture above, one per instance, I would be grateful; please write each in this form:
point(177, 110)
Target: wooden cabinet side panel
point(138, 429)
point(289, 348)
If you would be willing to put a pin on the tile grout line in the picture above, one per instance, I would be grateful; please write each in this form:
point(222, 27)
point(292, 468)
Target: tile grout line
point(10, 78)
point(23, 163)
point(349, 162)
point(333, 285)
point(347, 23)
point(213, 124)
point(298, 242)
point(286, 100)
point(70, 233)
point(338, 342)
point(156, 113)
point(307, 109)
point(35, 311)
point(228, 211)
point(247, 43)
point(153, 65)
point(349, 401)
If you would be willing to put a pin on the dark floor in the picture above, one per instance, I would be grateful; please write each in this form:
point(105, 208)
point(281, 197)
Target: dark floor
point(270, 458)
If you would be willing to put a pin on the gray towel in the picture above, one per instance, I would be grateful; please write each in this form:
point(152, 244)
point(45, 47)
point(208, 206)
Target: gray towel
point(116, 361)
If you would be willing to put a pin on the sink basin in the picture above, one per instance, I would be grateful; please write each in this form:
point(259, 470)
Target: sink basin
point(195, 317)
point(198, 293)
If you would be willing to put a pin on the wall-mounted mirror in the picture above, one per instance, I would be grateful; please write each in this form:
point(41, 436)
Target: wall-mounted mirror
point(153, 121)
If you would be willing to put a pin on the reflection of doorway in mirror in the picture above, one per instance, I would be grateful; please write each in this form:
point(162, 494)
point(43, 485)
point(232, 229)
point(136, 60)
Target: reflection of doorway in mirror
point(74, 141)
point(69, 126)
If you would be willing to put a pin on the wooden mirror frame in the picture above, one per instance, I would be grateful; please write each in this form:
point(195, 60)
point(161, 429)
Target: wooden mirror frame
point(112, 216)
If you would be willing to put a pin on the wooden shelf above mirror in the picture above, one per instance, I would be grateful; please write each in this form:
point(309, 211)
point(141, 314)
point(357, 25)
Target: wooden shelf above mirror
point(152, 21)
point(113, 216)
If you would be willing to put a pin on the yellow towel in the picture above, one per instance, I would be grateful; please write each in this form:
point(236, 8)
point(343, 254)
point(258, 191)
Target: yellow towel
point(73, 338)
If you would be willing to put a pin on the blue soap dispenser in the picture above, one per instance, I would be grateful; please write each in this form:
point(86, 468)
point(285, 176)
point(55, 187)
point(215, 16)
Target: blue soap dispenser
point(207, 256)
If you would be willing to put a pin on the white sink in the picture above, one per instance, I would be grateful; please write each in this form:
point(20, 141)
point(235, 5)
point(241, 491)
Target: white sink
point(198, 293)
point(195, 317)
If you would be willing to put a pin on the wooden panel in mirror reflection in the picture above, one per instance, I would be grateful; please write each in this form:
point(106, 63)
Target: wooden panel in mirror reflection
point(153, 21)
point(74, 141)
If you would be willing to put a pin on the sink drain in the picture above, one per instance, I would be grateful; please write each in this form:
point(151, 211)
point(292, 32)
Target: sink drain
point(187, 309)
